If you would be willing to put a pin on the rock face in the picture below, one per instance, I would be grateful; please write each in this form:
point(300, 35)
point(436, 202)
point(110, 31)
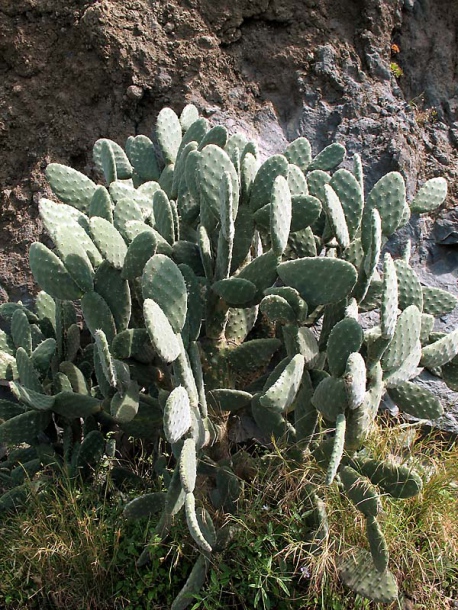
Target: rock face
point(76, 71)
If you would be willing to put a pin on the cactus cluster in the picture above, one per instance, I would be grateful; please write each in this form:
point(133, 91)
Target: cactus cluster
point(212, 283)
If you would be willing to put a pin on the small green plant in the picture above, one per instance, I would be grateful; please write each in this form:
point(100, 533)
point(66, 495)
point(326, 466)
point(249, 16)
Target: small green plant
point(215, 287)
point(396, 69)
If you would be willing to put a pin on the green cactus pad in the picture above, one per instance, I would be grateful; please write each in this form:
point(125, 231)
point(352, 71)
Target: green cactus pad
point(25, 471)
point(193, 584)
point(409, 287)
point(440, 352)
point(50, 273)
point(160, 331)
point(303, 243)
point(109, 241)
point(110, 285)
point(188, 116)
point(188, 465)
point(74, 257)
point(177, 415)
point(438, 302)
point(261, 188)
point(122, 164)
point(301, 340)
point(6, 342)
point(337, 449)
point(166, 179)
point(248, 172)
point(70, 405)
point(8, 368)
point(141, 249)
point(296, 181)
point(348, 190)
point(335, 216)
point(405, 338)
point(183, 374)
point(450, 375)
point(416, 401)
point(294, 299)
point(355, 380)
point(305, 413)
point(120, 189)
point(431, 195)
point(58, 215)
point(32, 398)
point(71, 186)
point(360, 491)
point(377, 544)
point(163, 281)
point(280, 215)
point(262, 272)
point(163, 216)
point(396, 480)
point(194, 133)
point(105, 357)
point(144, 506)
point(101, 204)
point(142, 156)
point(330, 398)
point(234, 148)
point(186, 252)
point(359, 573)
point(205, 252)
point(229, 400)
point(388, 196)
point(194, 313)
point(329, 158)
point(316, 181)
point(271, 423)
point(8, 309)
point(306, 276)
point(27, 373)
point(20, 331)
point(213, 163)
point(299, 152)
point(253, 354)
point(169, 134)
point(368, 272)
point(235, 291)
point(239, 323)
point(97, 315)
point(193, 524)
point(124, 406)
point(13, 498)
point(277, 309)
point(280, 396)
point(305, 211)
point(346, 337)
point(126, 210)
point(89, 454)
point(244, 232)
point(24, 428)
point(9, 409)
point(389, 302)
point(132, 343)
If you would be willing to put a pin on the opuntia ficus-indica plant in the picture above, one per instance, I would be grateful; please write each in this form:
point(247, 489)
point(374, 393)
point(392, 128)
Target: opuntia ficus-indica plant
point(214, 284)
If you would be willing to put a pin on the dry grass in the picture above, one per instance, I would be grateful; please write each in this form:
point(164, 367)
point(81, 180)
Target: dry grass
point(421, 532)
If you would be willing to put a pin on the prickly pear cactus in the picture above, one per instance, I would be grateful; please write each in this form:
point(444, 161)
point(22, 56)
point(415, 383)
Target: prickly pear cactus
point(213, 284)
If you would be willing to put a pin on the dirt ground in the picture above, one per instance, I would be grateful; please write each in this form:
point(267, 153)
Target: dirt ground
point(74, 71)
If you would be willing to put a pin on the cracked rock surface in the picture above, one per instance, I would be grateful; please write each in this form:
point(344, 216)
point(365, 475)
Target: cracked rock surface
point(277, 69)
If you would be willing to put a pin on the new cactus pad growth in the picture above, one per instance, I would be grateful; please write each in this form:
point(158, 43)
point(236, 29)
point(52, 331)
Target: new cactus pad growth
point(215, 285)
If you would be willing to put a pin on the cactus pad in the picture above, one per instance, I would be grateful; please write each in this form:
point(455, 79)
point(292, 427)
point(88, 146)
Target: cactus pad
point(305, 275)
